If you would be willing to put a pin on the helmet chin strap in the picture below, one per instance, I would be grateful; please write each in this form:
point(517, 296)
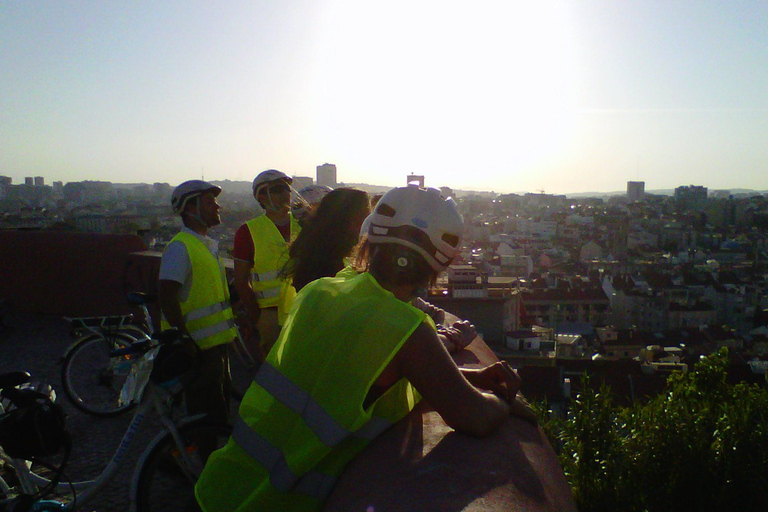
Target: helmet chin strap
point(271, 204)
point(197, 216)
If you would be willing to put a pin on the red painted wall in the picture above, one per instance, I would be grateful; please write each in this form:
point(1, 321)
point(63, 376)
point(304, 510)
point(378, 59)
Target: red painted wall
point(72, 274)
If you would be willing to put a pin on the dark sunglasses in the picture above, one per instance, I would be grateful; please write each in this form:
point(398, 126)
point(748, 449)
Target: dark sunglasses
point(279, 189)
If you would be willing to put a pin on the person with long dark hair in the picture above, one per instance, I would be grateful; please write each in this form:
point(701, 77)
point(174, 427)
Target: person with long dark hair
point(329, 236)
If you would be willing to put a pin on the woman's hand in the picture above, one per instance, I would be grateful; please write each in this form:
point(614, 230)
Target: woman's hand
point(499, 378)
point(457, 336)
point(504, 382)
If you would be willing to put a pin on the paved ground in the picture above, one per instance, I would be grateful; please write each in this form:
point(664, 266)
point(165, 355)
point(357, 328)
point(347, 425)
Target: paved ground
point(35, 343)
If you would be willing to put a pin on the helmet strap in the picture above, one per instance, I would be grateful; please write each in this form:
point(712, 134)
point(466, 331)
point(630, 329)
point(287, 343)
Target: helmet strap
point(269, 200)
point(196, 214)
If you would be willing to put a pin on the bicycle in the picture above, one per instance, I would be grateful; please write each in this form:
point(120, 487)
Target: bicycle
point(92, 378)
point(165, 473)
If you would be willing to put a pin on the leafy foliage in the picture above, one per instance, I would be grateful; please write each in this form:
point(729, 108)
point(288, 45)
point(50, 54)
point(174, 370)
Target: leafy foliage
point(703, 445)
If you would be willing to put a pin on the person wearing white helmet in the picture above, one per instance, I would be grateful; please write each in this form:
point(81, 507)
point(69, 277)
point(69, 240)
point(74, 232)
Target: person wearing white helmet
point(260, 251)
point(307, 201)
point(353, 358)
point(194, 296)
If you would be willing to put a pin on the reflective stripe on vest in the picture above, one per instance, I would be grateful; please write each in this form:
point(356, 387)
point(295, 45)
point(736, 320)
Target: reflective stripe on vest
point(270, 253)
point(268, 293)
point(312, 483)
point(322, 424)
point(199, 313)
point(266, 276)
point(214, 329)
point(302, 420)
point(207, 314)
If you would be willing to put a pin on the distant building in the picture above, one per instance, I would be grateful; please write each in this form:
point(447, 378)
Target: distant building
point(720, 194)
point(546, 229)
point(635, 191)
point(446, 191)
point(415, 179)
point(326, 175)
point(5, 186)
point(161, 190)
point(39, 181)
point(590, 251)
point(691, 198)
point(29, 181)
point(493, 308)
point(553, 306)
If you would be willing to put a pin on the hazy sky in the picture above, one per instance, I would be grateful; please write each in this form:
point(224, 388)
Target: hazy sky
point(561, 96)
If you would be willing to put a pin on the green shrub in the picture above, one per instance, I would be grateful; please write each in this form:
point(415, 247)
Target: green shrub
point(703, 445)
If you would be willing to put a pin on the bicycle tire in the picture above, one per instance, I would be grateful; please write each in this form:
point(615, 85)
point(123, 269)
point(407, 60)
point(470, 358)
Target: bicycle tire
point(166, 481)
point(91, 379)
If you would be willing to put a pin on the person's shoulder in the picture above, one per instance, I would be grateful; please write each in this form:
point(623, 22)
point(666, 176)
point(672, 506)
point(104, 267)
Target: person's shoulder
point(243, 234)
point(347, 272)
point(174, 248)
point(176, 245)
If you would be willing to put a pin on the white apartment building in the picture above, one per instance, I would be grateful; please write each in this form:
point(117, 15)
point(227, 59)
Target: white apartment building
point(326, 175)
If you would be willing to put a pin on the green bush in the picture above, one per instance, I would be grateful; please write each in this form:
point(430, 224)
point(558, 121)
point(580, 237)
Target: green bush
point(703, 446)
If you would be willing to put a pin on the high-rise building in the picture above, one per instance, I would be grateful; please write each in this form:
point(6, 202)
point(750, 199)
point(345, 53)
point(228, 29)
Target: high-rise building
point(635, 191)
point(326, 175)
point(692, 197)
point(415, 179)
point(29, 181)
point(39, 181)
point(5, 186)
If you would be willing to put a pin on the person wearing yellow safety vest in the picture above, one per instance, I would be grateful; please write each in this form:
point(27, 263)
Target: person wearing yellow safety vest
point(194, 297)
point(353, 358)
point(260, 251)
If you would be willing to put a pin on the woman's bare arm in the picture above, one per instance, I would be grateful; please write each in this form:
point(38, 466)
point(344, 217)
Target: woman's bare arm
point(427, 365)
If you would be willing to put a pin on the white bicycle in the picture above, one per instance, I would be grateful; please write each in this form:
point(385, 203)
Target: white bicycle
point(93, 377)
point(163, 478)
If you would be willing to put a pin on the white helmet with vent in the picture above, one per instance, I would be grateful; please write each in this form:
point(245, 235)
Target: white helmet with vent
point(309, 196)
point(421, 219)
point(269, 176)
point(190, 190)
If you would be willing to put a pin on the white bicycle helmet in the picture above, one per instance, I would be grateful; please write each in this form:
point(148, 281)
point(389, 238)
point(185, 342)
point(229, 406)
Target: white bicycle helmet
point(269, 176)
point(190, 190)
point(310, 195)
point(421, 219)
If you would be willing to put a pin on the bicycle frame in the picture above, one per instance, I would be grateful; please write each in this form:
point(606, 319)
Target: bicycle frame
point(85, 490)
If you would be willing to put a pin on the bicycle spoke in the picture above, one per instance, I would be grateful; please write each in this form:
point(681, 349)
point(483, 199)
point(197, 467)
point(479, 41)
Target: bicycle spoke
point(92, 379)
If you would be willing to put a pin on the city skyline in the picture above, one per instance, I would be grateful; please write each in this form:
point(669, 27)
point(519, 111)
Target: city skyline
point(560, 96)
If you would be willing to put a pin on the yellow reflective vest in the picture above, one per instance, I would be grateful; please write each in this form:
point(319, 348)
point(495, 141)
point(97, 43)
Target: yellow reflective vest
point(302, 420)
point(207, 312)
point(270, 253)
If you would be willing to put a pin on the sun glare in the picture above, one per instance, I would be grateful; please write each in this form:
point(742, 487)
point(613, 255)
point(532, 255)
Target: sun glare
point(441, 86)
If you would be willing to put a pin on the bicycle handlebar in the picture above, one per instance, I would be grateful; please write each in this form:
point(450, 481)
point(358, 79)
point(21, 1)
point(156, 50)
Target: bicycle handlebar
point(143, 346)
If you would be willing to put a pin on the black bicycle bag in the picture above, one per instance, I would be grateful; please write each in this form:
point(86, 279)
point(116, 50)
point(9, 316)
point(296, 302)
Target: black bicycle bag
point(34, 426)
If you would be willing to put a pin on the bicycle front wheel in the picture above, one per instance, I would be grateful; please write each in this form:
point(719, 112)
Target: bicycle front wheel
point(167, 478)
point(92, 379)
